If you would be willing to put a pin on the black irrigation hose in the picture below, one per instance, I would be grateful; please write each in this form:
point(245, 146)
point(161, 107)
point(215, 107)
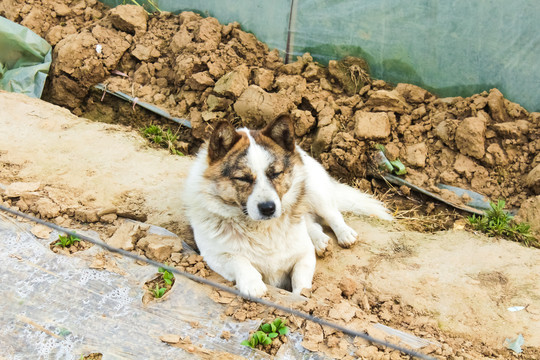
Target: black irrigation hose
point(219, 286)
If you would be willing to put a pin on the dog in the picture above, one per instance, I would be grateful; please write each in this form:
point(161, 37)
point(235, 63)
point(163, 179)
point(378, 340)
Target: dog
point(253, 199)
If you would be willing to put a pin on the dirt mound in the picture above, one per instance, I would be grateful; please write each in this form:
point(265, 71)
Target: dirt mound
point(197, 68)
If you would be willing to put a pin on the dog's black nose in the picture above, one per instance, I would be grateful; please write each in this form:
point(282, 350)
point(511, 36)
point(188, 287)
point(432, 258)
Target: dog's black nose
point(267, 208)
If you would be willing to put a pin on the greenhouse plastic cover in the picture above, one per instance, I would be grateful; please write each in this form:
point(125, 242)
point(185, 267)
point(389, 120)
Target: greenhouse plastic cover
point(25, 59)
point(61, 307)
point(452, 48)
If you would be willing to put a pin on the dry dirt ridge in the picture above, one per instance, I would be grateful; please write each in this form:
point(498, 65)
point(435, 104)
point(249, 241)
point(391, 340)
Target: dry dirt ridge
point(197, 68)
point(451, 288)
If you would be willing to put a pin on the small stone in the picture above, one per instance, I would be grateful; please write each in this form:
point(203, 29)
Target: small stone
point(200, 81)
point(176, 257)
point(170, 338)
point(533, 179)
point(17, 189)
point(129, 18)
point(303, 121)
point(342, 311)
point(260, 107)
point(125, 236)
point(217, 103)
point(41, 231)
point(495, 102)
point(508, 130)
point(348, 287)
point(263, 78)
point(415, 155)
point(384, 100)
point(371, 125)
point(470, 137)
point(159, 247)
point(232, 84)
point(412, 93)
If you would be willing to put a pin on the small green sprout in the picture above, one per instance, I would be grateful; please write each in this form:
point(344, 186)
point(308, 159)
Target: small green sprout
point(167, 276)
point(498, 222)
point(66, 240)
point(267, 333)
point(158, 292)
point(275, 328)
point(258, 337)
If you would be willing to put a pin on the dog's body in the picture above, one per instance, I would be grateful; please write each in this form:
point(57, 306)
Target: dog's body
point(252, 198)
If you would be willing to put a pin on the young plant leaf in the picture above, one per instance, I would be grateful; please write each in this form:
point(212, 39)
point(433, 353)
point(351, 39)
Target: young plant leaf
point(246, 343)
point(284, 330)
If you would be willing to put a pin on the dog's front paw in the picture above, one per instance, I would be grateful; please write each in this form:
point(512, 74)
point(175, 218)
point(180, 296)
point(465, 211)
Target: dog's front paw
point(320, 243)
point(346, 236)
point(254, 287)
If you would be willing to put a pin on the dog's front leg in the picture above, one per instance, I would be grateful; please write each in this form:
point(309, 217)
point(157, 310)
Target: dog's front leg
point(239, 269)
point(302, 272)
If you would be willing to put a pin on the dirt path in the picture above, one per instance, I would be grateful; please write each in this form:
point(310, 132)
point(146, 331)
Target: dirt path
point(452, 287)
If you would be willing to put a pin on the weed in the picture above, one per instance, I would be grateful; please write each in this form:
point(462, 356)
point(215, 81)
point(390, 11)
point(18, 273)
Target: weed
point(168, 277)
point(266, 333)
point(498, 222)
point(165, 139)
point(66, 240)
point(158, 292)
point(153, 133)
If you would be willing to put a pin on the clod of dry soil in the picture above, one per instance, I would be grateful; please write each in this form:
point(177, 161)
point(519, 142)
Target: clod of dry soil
point(452, 288)
point(200, 69)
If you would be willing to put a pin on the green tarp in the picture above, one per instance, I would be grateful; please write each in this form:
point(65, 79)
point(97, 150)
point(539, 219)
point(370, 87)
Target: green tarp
point(453, 48)
point(25, 59)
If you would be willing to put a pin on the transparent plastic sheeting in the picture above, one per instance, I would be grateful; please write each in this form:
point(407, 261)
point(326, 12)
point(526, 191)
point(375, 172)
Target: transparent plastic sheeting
point(56, 307)
point(452, 48)
point(25, 59)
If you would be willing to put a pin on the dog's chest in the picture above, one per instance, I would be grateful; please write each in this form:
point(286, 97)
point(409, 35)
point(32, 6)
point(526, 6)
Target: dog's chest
point(275, 246)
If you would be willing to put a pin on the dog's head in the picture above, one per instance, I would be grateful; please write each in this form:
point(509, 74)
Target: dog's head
point(254, 171)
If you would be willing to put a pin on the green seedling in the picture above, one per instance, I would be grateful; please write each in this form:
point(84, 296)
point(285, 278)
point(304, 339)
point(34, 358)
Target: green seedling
point(498, 222)
point(275, 328)
point(158, 292)
point(168, 277)
point(66, 240)
point(258, 337)
point(153, 133)
point(267, 333)
point(162, 138)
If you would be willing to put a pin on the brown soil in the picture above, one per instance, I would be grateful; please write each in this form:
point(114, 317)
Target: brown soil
point(76, 246)
point(93, 356)
point(150, 285)
point(436, 286)
point(196, 68)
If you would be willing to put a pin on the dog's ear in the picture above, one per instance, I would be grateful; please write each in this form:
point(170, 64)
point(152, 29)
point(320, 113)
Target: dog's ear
point(281, 131)
point(222, 140)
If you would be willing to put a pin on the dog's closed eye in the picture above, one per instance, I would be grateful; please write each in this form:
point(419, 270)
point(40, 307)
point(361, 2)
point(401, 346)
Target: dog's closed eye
point(244, 178)
point(274, 174)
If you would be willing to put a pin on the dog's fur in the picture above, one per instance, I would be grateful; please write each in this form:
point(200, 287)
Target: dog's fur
point(253, 198)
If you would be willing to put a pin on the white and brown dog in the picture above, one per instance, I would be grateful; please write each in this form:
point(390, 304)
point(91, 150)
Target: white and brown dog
point(253, 198)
